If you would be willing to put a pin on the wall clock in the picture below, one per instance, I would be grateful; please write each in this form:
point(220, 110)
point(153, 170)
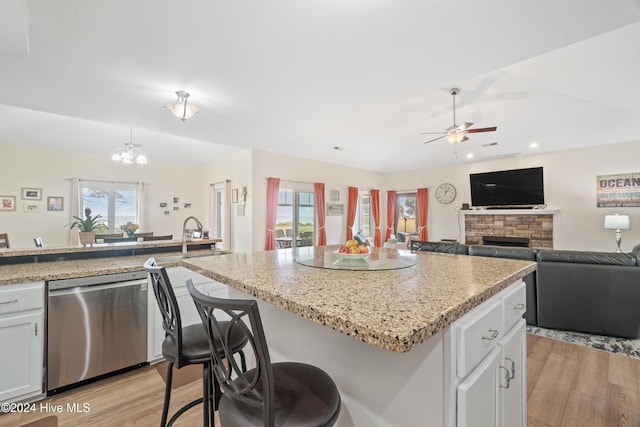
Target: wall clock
point(445, 193)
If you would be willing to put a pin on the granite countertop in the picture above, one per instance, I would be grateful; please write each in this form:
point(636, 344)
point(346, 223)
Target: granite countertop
point(102, 247)
point(42, 271)
point(395, 310)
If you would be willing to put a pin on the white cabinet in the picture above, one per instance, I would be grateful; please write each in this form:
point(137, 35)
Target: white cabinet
point(188, 313)
point(21, 335)
point(487, 363)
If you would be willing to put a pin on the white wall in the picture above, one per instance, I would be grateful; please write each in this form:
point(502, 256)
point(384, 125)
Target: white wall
point(237, 169)
point(50, 170)
point(570, 186)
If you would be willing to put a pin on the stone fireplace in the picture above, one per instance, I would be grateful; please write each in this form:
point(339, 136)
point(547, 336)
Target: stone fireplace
point(510, 227)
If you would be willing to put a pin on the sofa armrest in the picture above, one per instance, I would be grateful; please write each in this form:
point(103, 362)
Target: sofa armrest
point(440, 247)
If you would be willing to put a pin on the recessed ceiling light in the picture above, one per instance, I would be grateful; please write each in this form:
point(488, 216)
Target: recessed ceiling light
point(533, 145)
point(470, 156)
point(338, 148)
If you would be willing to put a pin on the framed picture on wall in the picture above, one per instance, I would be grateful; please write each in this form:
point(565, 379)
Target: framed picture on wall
point(31, 207)
point(334, 195)
point(31, 193)
point(234, 195)
point(7, 203)
point(240, 210)
point(335, 209)
point(55, 203)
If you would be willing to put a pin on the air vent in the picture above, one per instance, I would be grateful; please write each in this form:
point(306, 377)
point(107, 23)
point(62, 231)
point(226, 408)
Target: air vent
point(491, 144)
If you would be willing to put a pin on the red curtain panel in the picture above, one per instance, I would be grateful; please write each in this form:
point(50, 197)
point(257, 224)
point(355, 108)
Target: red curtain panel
point(375, 211)
point(273, 195)
point(391, 212)
point(351, 211)
point(423, 204)
point(318, 190)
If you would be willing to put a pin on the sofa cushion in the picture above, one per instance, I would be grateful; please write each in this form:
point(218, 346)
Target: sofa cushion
point(510, 252)
point(582, 257)
point(440, 247)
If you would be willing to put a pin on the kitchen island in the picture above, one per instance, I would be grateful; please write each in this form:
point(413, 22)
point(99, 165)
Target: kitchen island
point(384, 336)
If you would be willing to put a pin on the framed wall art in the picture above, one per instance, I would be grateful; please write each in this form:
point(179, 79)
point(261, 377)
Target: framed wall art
point(234, 195)
point(55, 203)
point(335, 209)
point(31, 207)
point(31, 193)
point(7, 203)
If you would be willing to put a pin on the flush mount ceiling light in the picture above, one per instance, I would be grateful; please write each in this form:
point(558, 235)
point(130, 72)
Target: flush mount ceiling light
point(180, 109)
point(130, 154)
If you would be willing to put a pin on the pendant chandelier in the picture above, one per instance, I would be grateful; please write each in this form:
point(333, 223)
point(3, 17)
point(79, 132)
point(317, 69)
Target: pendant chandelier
point(180, 108)
point(131, 153)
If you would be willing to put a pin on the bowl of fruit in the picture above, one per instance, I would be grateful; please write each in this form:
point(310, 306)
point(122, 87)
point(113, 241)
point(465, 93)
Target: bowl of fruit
point(352, 250)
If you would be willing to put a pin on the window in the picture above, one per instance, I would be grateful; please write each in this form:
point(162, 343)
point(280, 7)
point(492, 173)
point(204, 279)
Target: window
point(405, 214)
point(296, 218)
point(117, 202)
point(364, 219)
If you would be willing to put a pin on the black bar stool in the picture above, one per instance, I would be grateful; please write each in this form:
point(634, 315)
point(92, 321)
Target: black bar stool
point(188, 345)
point(272, 394)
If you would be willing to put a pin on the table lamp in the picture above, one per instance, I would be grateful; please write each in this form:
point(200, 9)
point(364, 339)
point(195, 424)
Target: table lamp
point(617, 222)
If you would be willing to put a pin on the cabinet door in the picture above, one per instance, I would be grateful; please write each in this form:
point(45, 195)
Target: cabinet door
point(477, 394)
point(21, 362)
point(513, 392)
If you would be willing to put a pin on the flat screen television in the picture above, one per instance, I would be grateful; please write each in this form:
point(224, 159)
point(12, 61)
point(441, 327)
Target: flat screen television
point(508, 188)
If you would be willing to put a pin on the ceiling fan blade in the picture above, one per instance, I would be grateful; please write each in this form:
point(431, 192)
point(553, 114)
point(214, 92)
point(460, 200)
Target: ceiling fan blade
point(489, 129)
point(464, 126)
point(435, 139)
point(432, 133)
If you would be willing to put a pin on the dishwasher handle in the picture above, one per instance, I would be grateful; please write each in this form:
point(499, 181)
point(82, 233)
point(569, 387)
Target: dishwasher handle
point(96, 288)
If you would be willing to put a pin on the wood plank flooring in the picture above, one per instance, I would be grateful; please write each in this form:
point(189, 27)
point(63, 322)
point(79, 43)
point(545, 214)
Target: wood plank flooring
point(567, 385)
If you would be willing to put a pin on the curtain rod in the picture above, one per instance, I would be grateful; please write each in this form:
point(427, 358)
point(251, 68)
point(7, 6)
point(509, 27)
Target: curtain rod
point(289, 180)
point(220, 182)
point(109, 182)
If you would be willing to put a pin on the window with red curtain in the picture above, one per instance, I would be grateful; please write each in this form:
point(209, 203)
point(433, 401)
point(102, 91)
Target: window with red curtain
point(422, 202)
point(351, 210)
point(273, 193)
point(375, 211)
point(318, 189)
point(391, 211)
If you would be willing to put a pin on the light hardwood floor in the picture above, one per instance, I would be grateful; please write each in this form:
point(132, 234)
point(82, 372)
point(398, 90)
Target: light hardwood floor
point(567, 385)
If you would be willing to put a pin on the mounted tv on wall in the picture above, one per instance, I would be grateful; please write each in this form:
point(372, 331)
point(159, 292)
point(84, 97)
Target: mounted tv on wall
point(523, 188)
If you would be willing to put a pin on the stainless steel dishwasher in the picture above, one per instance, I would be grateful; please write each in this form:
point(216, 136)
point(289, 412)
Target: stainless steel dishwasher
point(96, 325)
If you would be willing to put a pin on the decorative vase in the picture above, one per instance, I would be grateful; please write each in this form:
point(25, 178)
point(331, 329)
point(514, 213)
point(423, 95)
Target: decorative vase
point(87, 238)
point(130, 233)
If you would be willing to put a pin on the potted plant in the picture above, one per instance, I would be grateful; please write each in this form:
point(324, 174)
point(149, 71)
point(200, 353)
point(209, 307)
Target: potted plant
point(87, 227)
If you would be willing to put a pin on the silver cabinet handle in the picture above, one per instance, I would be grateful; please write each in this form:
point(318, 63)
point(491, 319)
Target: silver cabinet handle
point(513, 367)
point(493, 334)
point(507, 378)
point(9, 302)
point(520, 306)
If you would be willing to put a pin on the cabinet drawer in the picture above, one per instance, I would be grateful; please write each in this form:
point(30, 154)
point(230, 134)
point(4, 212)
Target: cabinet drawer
point(477, 333)
point(21, 297)
point(514, 304)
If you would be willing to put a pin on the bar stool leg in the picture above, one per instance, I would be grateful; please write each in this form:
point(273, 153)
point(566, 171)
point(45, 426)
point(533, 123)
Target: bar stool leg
point(167, 395)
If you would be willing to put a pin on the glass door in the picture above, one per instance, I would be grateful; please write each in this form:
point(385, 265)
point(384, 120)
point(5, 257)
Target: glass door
point(295, 223)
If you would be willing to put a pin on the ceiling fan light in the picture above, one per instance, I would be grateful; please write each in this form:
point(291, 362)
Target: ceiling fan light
point(116, 157)
point(455, 137)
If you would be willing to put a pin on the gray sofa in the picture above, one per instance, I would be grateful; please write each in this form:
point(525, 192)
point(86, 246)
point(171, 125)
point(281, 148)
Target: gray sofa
point(593, 292)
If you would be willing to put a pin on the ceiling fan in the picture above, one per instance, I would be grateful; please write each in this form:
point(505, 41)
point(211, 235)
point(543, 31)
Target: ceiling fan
point(457, 133)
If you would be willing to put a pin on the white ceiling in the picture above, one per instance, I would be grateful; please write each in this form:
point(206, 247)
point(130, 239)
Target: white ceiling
point(300, 77)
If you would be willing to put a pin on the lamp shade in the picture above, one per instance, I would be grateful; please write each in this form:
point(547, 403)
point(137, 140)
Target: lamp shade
point(617, 222)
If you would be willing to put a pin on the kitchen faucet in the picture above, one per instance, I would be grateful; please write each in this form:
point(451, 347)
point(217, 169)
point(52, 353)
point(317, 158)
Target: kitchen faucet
point(184, 232)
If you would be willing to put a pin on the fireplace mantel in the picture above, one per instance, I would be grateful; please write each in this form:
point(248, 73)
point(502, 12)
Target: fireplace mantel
point(511, 212)
point(533, 224)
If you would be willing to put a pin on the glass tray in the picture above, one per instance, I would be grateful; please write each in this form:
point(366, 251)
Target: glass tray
point(378, 259)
